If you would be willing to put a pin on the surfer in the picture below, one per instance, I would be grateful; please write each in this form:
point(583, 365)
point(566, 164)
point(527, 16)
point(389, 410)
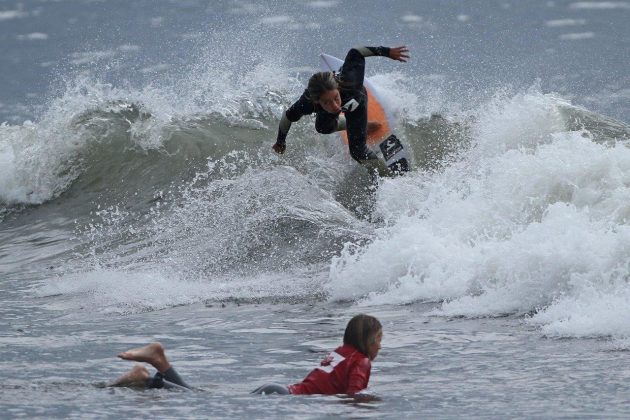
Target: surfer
point(329, 93)
point(343, 371)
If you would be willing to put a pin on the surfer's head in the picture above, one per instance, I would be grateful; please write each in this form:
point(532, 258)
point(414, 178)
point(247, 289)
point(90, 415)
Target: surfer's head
point(364, 332)
point(324, 91)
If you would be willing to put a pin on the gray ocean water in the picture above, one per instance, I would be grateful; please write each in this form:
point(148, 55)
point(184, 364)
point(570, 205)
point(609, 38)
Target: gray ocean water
point(140, 200)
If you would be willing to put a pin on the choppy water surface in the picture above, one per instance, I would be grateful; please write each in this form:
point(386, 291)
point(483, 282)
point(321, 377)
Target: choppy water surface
point(140, 201)
point(432, 367)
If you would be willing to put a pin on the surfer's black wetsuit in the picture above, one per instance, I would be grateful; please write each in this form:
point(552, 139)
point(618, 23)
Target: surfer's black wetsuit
point(354, 105)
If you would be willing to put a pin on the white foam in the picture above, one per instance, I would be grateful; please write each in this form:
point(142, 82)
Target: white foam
point(12, 14)
point(533, 219)
point(88, 57)
point(323, 4)
point(33, 163)
point(35, 36)
point(596, 308)
point(600, 5)
point(155, 68)
point(559, 23)
point(248, 8)
point(103, 290)
point(417, 22)
point(396, 91)
point(129, 48)
point(40, 160)
point(156, 22)
point(411, 18)
point(276, 20)
point(122, 292)
point(577, 36)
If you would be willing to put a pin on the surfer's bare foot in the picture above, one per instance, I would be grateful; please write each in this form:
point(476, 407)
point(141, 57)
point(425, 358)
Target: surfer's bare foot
point(136, 376)
point(373, 126)
point(151, 353)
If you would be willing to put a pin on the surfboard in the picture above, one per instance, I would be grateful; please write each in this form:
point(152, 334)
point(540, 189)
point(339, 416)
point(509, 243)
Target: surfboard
point(383, 141)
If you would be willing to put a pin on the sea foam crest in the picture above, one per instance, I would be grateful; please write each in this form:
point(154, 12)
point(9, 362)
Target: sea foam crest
point(41, 159)
point(533, 219)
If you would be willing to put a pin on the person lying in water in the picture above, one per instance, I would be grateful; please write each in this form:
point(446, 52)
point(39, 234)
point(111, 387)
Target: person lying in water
point(346, 370)
point(329, 93)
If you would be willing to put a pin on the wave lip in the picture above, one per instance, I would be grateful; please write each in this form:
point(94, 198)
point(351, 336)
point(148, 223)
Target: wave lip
point(36, 164)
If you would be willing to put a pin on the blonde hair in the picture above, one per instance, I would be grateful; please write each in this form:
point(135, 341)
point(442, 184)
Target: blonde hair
point(319, 83)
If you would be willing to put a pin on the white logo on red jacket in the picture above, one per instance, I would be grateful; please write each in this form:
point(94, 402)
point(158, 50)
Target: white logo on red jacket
point(330, 362)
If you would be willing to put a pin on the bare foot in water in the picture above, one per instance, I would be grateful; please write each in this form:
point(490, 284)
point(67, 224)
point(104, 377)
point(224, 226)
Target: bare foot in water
point(373, 126)
point(138, 375)
point(151, 353)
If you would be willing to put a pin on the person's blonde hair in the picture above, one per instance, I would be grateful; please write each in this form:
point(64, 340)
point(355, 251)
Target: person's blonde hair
point(319, 83)
point(360, 331)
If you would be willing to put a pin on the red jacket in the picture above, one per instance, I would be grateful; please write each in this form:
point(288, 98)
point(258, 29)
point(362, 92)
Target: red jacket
point(343, 371)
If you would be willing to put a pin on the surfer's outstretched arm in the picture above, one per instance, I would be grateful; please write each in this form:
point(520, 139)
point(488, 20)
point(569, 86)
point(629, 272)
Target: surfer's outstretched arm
point(154, 355)
point(301, 107)
point(395, 53)
point(353, 70)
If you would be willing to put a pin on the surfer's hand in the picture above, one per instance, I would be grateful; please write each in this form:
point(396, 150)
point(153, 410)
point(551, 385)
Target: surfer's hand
point(279, 148)
point(399, 53)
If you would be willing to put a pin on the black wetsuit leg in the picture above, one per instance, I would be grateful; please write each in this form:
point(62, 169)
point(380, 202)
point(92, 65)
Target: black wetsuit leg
point(168, 379)
point(356, 126)
point(271, 389)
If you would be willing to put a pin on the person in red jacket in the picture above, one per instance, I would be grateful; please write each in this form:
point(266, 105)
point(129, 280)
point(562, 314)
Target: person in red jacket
point(346, 370)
